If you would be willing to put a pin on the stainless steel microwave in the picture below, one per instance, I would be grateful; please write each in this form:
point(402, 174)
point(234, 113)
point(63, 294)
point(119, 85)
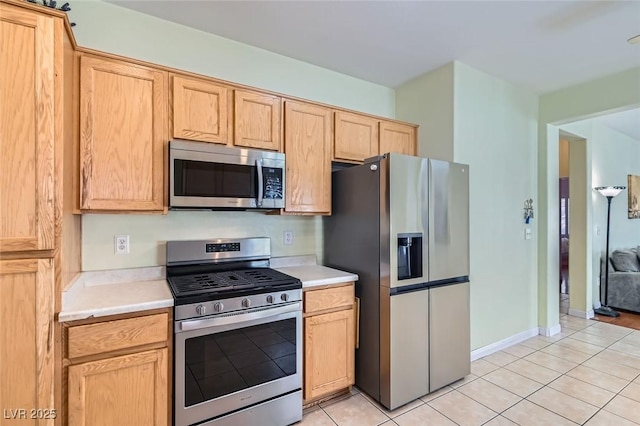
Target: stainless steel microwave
point(205, 175)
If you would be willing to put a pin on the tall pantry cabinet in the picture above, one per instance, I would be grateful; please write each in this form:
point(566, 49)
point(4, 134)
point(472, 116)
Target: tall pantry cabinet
point(39, 236)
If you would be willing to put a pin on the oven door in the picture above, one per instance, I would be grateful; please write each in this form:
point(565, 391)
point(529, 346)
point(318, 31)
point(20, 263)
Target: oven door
point(221, 177)
point(229, 362)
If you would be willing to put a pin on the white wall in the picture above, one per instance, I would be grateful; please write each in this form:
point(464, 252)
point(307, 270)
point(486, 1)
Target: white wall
point(496, 134)
point(490, 125)
point(427, 100)
point(149, 233)
point(109, 28)
point(615, 156)
point(114, 29)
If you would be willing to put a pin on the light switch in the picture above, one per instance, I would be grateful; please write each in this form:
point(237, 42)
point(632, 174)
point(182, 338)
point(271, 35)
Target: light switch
point(527, 233)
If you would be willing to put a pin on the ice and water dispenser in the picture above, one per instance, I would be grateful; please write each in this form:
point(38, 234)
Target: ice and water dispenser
point(409, 256)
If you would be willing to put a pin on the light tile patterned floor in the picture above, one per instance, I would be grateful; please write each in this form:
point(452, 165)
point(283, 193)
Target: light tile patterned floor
point(587, 375)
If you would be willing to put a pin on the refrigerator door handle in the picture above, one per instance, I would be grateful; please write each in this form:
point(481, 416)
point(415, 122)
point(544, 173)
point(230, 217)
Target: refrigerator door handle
point(425, 182)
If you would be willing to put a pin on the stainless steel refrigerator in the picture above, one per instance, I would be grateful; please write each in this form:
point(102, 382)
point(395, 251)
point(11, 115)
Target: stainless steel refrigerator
point(402, 224)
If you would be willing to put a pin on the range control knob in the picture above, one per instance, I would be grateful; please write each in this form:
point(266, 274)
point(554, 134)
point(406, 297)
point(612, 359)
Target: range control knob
point(269, 299)
point(284, 297)
point(201, 309)
point(218, 307)
point(246, 303)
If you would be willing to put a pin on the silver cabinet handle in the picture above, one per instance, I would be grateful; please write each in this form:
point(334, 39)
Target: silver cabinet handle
point(260, 182)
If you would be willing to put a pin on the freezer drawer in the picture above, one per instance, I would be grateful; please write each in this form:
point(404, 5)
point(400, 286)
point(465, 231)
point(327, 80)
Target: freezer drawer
point(409, 348)
point(449, 335)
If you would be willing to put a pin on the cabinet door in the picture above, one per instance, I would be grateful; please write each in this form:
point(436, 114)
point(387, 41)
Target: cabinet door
point(125, 390)
point(26, 130)
point(356, 137)
point(200, 111)
point(26, 336)
point(329, 341)
point(123, 129)
point(307, 146)
point(257, 120)
point(396, 137)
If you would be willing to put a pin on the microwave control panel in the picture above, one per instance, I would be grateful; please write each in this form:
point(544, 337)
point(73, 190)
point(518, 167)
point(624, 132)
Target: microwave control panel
point(273, 183)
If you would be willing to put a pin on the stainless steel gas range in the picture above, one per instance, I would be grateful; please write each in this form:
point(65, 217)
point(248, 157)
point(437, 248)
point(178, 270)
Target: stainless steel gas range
point(238, 334)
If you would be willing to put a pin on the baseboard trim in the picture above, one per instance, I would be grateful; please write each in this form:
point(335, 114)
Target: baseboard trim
point(550, 331)
point(504, 343)
point(582, 314)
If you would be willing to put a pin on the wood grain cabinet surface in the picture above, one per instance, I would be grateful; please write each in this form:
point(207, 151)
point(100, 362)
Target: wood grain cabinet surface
point(307, 147)
point(397, 137)
point(329, 341)
point(257, 120)
point(26, 130)
point(124, 390)
point(123, 131)
point(118, 370)
point(92, 339)
point(26, 337)
point(356, 137)
point(200, 110)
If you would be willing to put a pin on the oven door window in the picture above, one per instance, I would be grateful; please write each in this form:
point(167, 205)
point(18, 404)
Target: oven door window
point(209, 179)
point(230, 361)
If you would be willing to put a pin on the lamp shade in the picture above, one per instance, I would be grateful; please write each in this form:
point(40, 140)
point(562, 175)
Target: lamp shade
point(610, 191)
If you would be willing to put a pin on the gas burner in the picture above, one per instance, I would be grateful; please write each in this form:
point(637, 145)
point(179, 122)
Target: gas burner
point(201, 271)
point(213, 283)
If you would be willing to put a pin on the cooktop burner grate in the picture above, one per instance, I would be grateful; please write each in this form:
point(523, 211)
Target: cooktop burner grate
point(225, 281)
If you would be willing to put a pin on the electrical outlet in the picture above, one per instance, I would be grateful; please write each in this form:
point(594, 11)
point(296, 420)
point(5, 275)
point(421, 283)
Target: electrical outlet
point(527, 233)
point(288, 237)
point(121, 243)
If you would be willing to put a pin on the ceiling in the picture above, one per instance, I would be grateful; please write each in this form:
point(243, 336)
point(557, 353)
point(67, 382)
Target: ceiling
point(541, 45)
point(626, 122)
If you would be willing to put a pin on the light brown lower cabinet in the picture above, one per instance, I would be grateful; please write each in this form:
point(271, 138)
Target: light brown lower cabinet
point(26, 342)
point(329, 341)
point(124, 390)
point(118, 371)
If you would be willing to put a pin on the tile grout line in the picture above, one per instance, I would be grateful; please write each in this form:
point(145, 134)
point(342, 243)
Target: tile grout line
point(543, 385)
point(599, 409)
point(561, 375)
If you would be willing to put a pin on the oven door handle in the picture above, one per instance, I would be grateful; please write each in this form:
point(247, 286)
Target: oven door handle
point(238, 318)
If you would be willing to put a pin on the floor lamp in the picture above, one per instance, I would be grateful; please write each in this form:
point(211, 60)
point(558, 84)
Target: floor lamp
point(609, 192)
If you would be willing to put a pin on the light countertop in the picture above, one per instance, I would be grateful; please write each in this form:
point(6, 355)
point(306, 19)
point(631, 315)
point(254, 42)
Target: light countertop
point(317, 275)
point(102, 293)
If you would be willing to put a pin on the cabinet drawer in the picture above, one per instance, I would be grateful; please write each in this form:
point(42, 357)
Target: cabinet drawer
point(328, 298)
point(109, 336)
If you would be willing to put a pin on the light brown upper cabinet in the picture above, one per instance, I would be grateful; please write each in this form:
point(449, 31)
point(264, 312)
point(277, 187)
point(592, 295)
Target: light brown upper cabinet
point(123, 129)
point(307, 146)
point(356, 137)
point(257, 120)
point(26, 130)
point(200, 110)
point(397, 137)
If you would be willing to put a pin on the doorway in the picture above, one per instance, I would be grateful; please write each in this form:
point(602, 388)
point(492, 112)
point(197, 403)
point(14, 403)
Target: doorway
point(564, 244)
point(563, 218)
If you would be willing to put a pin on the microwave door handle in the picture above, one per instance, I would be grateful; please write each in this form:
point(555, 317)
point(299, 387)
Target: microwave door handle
point(260, 182)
